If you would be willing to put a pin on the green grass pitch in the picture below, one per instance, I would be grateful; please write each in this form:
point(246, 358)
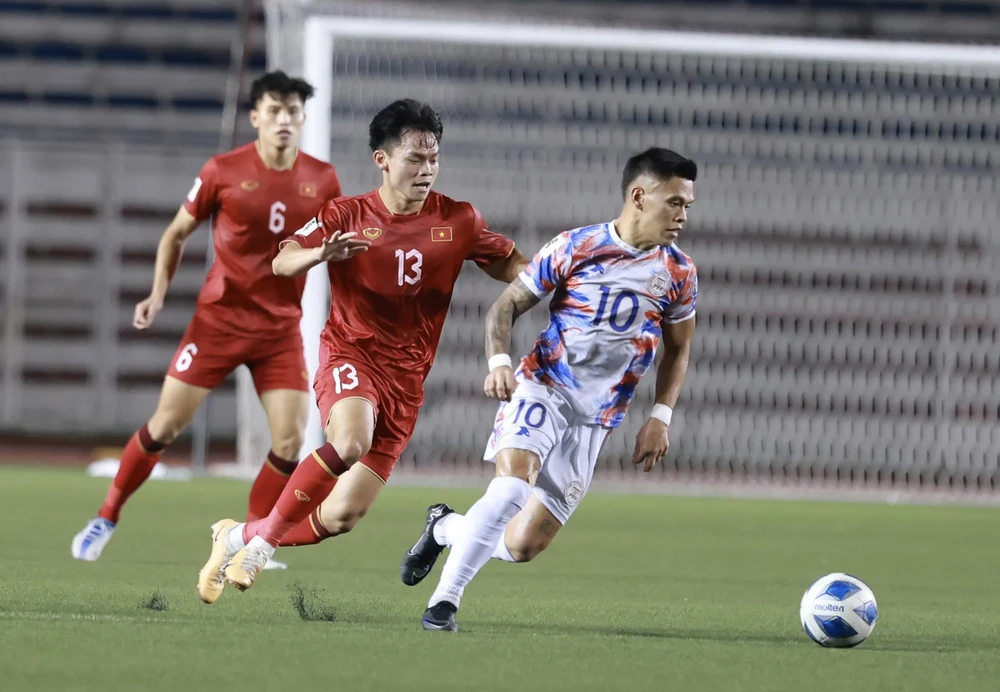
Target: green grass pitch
point(637, 593)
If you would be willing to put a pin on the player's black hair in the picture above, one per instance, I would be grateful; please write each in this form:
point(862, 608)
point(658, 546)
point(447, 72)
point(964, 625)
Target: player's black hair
point(389, 124)
point(279, 83)
point(661, 163)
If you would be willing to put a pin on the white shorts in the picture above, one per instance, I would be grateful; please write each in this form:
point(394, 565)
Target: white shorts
point(540, 421)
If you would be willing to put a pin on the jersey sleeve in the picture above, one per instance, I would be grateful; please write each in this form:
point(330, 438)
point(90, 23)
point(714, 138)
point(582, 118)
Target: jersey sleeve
point(321, 226)
point(550, 266)
point(684, 307)
point(488, 247)
point(203, 198)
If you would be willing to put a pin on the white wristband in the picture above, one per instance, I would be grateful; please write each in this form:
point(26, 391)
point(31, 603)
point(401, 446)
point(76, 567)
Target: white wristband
point(662, 412)
point(498, 360)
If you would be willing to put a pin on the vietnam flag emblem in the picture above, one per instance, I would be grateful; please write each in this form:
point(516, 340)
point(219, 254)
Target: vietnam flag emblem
point(441, 234)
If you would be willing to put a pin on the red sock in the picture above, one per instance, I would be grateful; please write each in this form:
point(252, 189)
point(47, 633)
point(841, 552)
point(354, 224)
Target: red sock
point(305, 491)
point(138, 459)
point(266, 490)
point(307, 532)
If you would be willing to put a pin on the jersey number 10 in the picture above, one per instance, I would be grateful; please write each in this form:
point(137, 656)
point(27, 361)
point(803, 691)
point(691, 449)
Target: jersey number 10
point(616, 306)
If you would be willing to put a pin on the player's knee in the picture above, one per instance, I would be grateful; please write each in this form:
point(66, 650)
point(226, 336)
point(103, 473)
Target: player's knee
point(165, 427)
point(287, 446)
point(525, 550)
point(350, 448)
point(342, 519)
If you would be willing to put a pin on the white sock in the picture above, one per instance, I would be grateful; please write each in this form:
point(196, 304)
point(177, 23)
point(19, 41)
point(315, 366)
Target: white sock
point(501, 553)
point(260, 544)
point(484, 526)
point(236, 537)
point(447, 528)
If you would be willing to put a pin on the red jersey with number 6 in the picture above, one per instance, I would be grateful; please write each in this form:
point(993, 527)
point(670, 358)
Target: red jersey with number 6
point(389, 304)
point(255, 208)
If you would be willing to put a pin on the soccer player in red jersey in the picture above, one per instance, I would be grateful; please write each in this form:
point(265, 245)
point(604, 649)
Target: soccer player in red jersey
point(258, 194)
point(393, 256)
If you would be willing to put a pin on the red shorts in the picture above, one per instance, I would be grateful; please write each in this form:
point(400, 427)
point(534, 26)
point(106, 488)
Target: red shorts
point(340, 378)
point(207, 355)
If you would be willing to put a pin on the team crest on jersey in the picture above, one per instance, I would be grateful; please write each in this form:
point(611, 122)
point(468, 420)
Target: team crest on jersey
point(307, 189)
point(249, 185)
point(659, 284)
point(573, 493)
point(371, 233)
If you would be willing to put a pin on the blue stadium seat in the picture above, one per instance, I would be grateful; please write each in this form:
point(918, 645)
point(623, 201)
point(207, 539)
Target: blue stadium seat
point(56, 51)
point(197, 104)
point(132, 101)
point(11, 96)
point(69, 98)
point(123, 54)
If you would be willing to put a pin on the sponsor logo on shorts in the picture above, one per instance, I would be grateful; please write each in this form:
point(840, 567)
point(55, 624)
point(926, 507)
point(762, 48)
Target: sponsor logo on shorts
point(659, 284)
point(573, 493)
point(301, 496)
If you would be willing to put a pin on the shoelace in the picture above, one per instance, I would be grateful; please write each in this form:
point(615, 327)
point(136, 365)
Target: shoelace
point(253, 561)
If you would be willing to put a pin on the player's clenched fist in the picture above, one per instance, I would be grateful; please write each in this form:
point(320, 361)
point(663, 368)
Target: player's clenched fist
point(651, 444)
point(146, 311)
point(341, 246)
point(500, 383)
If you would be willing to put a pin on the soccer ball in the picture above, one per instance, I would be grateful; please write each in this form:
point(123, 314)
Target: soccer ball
point(838, 610)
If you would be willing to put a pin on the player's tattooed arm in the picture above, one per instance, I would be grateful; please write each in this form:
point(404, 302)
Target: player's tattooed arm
point(512, 303)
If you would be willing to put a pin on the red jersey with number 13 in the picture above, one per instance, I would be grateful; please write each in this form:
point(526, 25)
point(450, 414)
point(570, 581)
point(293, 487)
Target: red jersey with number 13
point(255, 208)
point(389, 304)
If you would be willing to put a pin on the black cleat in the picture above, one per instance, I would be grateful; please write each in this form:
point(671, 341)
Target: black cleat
point(420, 559)
point(440, 617)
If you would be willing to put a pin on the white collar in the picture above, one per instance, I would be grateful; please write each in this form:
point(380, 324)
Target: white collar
point(634, 251)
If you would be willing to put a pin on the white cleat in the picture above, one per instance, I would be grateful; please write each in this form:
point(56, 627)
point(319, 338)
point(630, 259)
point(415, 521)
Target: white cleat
point(89, 543)
point(274, 564)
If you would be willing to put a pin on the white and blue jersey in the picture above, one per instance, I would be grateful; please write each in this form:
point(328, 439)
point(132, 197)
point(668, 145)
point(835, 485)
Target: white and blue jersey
point(605, 319)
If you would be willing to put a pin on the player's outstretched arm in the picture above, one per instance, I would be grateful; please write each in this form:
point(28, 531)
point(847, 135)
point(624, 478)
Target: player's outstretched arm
point(507, 269)
point(168, 257)
point(295, 260)
point(516, 300)
point(652, 442)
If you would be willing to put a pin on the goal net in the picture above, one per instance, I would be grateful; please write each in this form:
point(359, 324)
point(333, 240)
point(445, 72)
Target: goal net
point(844, 228)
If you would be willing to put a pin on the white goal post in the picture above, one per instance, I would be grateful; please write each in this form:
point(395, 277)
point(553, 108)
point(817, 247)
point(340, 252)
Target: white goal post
point(746, 435)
